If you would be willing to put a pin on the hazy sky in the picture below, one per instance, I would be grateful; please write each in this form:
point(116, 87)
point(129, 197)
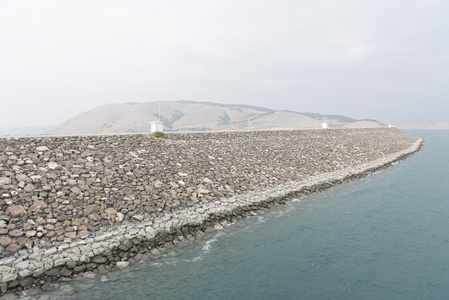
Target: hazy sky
point(386, 60)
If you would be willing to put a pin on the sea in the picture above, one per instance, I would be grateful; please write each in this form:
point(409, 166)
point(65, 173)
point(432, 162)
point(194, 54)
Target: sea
point(385, 236)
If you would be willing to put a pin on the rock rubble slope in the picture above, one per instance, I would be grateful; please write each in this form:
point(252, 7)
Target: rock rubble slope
point(71, 204)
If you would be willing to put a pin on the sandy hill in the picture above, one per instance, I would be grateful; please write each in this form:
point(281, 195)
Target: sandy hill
point(195, 116)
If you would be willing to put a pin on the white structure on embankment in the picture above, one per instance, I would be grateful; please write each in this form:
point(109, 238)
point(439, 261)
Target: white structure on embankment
point(157, 126)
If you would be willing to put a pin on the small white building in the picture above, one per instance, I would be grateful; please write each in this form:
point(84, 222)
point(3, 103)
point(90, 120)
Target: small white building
point(324, 125)
point(157, 126)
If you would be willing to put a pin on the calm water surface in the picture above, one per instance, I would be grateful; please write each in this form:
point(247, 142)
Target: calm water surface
point(383, 237)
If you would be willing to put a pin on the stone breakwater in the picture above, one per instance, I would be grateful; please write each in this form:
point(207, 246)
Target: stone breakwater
point(80, 203)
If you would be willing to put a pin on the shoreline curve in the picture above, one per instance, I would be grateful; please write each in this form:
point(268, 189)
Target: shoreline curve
point(49, 265)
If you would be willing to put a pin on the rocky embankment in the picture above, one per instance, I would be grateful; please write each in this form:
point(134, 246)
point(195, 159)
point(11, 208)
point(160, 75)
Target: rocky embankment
point(79, 203)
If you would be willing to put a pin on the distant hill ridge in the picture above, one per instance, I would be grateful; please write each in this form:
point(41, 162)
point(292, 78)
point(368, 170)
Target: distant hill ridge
point(187, 115)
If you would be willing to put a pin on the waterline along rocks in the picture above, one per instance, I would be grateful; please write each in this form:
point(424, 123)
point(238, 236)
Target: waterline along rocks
point(78, 203)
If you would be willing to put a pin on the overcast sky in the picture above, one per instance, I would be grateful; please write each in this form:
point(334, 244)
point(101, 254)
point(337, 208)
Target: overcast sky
point(385, 60)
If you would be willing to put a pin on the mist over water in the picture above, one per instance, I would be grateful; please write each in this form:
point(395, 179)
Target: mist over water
point(383, 237)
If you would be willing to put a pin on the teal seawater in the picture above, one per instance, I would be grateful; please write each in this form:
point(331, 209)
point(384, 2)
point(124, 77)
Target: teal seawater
point(383, 237)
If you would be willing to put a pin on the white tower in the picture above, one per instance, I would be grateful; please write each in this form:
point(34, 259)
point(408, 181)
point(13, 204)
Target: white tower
point(157, 125)
point(324, 125)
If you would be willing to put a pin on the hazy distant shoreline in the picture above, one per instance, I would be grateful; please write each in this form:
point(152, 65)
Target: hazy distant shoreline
point(44, 130)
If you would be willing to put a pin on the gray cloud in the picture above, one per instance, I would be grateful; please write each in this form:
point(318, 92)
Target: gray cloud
point(365, 59)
